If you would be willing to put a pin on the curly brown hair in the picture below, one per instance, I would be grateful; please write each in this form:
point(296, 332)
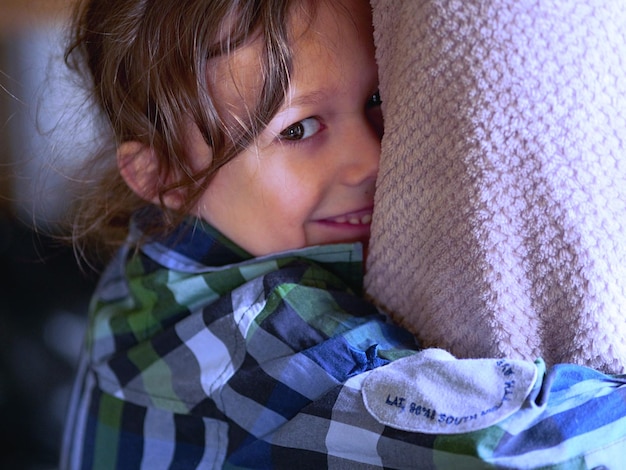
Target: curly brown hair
point(145, 64)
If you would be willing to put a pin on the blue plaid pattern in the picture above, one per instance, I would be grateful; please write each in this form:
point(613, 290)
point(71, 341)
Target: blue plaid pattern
point(201, 356)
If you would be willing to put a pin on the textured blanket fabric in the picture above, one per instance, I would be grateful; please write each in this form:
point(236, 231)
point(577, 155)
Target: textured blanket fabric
point(500, 220)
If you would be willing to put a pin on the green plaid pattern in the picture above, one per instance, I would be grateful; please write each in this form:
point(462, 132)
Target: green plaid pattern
point(259, 363)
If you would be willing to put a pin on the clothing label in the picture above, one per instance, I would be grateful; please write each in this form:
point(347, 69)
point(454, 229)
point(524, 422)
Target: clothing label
point(434, 393)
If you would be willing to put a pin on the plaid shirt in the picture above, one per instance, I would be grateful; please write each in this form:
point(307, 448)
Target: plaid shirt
point(201, 356)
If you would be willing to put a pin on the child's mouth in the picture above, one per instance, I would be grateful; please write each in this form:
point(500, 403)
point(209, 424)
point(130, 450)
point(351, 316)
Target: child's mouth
point(349, 227)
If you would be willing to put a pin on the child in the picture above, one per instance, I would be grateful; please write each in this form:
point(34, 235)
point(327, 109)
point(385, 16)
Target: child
point(228, 330)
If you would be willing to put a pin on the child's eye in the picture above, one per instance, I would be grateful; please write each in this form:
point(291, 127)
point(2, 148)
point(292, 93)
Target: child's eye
point(302, 129)
point(374, 113)
point(374, 100)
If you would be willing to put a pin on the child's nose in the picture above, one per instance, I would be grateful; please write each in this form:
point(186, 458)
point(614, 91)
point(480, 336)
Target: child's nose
point(363, 152)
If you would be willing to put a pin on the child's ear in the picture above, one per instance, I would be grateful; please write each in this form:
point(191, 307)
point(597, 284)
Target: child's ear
point(140, 169)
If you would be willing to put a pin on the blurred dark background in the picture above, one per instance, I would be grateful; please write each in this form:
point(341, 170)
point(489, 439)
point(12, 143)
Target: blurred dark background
point(43, 299)
point(43, 293)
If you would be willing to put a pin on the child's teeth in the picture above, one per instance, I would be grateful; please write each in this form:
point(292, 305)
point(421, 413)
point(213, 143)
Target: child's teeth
point(353, 219)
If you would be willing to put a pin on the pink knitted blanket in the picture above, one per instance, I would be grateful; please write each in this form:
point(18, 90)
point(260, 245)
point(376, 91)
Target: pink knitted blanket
point(500, 220)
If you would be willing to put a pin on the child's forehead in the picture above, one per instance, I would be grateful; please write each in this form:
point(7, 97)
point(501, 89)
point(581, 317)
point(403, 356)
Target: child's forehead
point(318, 34)
point(236, 79)
point(324, 41)
point(325, 21)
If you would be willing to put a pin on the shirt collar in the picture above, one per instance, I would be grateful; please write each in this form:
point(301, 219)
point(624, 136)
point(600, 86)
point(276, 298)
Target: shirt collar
point(196, 246)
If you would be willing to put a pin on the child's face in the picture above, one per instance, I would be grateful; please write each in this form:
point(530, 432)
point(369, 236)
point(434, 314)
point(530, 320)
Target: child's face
point(309, 178)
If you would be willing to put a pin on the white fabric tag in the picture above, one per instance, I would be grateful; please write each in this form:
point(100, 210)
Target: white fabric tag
point(432, 392)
